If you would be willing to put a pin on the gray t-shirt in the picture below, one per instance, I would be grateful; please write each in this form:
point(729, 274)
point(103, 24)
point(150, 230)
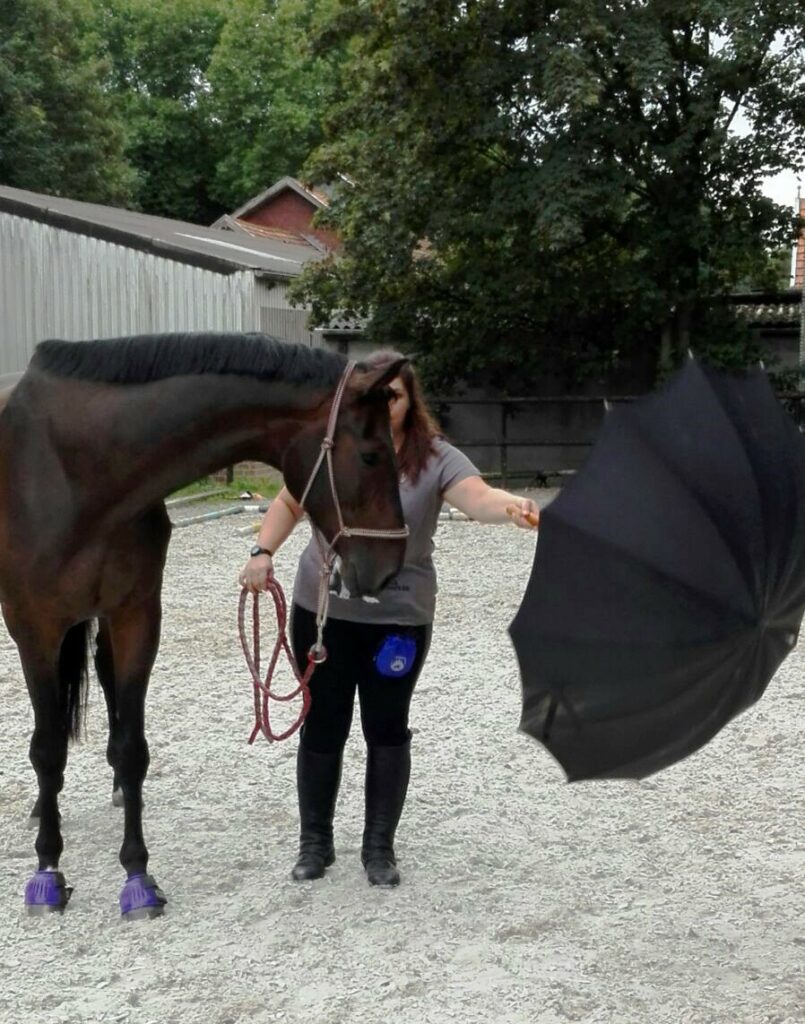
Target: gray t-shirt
point(410, 598)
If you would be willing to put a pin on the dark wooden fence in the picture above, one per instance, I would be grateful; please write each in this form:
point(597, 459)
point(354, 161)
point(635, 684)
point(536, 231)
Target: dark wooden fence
point(551, 439)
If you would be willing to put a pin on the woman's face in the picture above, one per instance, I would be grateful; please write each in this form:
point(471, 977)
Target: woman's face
point(399, 404)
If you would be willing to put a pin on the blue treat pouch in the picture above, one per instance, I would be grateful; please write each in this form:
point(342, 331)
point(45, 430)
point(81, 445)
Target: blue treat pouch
point(396, 656)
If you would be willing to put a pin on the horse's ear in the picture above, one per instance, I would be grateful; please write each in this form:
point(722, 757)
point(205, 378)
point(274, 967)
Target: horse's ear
point(379, 375)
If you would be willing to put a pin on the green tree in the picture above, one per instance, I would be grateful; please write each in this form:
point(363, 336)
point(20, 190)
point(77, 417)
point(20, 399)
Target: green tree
point(269, 91)
point(772, 276)
point(158, 58)
point(554, 183)
point(59, 132)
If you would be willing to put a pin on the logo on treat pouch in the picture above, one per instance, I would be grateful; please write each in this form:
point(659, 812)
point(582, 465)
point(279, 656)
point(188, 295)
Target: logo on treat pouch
point(396, 656)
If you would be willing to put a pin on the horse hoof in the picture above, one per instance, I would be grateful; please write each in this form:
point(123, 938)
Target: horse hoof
point(47, 893)
point(141, 898)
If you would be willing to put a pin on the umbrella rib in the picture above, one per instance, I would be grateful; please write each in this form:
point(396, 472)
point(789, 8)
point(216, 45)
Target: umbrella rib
point(671, 469)
point(737, 435)
point(708, 729)
point(788, 568)
point(734, 665)
point(794, 606)
point(758, 486)
point(791, 566)
point(732, 662)
point(784, 582)
point(649, 567)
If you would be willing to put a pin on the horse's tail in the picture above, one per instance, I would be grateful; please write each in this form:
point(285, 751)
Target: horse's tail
point(74, 676)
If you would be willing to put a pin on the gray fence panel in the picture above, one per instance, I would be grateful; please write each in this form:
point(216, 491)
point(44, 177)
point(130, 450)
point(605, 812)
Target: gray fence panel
point(59, 284)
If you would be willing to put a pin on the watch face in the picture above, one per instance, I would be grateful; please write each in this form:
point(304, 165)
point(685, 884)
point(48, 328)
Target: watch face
point(257, 550)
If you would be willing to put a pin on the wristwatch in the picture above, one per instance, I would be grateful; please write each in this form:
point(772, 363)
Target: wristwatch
point(257, 550)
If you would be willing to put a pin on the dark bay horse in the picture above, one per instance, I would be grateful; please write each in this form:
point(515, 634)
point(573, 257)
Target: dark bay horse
point(93, 437)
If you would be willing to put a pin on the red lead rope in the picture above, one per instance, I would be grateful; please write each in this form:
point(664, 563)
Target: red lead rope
point(263, 694)
point(262, 689)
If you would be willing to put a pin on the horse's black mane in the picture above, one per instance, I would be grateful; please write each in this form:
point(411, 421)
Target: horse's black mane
point(148, 357)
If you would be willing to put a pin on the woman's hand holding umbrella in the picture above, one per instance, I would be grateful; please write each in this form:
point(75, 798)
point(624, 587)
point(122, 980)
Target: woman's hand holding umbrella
point(524, 514)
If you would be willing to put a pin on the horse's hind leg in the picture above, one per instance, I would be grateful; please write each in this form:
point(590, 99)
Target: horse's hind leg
point(134, 637)
point(105, 668)
point(72, 677)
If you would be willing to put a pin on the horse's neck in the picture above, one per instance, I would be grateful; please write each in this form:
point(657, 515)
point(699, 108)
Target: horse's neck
point(8, 381)
point(152, 439)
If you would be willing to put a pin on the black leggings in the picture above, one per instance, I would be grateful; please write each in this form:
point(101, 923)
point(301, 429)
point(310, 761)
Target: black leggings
point(351, 650)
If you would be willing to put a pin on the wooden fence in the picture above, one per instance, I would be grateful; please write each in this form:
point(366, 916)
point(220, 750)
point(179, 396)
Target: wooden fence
point(550, 444)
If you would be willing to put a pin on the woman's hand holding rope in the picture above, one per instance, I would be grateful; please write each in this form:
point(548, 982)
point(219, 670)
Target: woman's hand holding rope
point(256, 572)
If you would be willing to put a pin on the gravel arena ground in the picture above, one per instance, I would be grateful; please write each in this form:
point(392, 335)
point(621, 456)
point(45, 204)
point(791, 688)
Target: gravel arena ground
point(525, 900)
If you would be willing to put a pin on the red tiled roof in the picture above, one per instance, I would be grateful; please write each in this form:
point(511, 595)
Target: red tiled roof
point(266, 231)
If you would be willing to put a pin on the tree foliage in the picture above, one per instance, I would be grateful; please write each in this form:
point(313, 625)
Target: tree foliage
point(59, 132)
point(535, 183)
point(521, 185)
point(219, 99)
point(158, 57)
point(269, 92)
point(184, 109)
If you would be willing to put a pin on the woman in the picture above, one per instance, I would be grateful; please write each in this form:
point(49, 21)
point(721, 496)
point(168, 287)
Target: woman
point(377, 648)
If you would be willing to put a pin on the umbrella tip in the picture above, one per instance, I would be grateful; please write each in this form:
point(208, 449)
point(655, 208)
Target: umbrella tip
point(691, 356)
point(761, 364)
point(607, 405)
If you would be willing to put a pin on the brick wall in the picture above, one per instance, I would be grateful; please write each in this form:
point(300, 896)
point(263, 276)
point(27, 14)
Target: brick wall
point(290, 211)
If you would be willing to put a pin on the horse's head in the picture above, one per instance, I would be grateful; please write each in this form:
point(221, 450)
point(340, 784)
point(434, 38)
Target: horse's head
point(365, 479)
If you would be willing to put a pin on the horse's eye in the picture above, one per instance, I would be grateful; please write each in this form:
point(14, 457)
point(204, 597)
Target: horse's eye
point(370, 458)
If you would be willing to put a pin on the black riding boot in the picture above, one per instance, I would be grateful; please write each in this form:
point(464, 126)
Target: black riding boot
point(387, 772)
point(317, 779)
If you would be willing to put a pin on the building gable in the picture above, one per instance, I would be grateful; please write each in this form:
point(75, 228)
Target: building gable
point(284, 211)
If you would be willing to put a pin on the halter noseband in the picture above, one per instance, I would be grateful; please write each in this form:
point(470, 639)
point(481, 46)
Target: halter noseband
point(317, 651)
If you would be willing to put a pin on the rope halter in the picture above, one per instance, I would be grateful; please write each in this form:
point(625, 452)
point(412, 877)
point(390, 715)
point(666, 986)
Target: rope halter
point(318, 652)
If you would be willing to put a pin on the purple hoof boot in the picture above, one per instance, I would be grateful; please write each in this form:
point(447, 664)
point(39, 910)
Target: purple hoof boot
point(47, 893)
point(141, 897)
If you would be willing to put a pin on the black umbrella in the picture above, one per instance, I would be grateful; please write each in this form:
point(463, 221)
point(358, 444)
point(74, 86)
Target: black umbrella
point(669, 579)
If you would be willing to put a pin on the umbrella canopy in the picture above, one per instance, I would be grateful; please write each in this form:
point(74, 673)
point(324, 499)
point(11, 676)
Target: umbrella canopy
point(669, 578)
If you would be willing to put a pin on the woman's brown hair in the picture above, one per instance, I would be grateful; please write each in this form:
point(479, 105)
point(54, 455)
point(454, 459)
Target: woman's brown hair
point(420, 426)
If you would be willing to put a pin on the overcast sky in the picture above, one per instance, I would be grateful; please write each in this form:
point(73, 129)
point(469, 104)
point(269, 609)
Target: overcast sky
point(782, 188)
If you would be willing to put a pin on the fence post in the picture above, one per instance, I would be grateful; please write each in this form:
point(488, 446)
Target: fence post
point(504, 458)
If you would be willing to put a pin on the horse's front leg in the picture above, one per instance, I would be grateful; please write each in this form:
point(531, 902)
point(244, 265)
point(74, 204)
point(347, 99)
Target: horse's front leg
point(39, 654)
point(134, 636)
